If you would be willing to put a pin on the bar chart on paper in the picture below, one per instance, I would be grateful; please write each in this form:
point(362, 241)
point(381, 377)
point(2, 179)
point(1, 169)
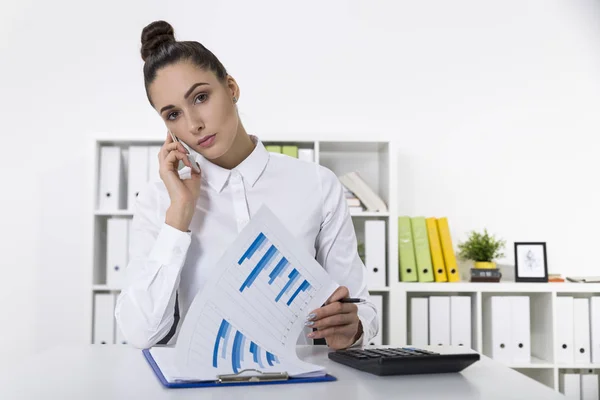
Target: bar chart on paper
point(251, 313)
point(280, 291)
point(228, 347)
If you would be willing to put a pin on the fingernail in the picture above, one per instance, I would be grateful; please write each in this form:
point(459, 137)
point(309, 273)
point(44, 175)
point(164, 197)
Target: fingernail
point(311, 335)
point(311, 316)
point(309, 323)
point(198, 165)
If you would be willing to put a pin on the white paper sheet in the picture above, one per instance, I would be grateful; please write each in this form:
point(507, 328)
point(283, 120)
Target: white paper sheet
point(251, 312)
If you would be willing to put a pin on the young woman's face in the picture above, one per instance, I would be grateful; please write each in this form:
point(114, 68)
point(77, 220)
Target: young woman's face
point(197, 107)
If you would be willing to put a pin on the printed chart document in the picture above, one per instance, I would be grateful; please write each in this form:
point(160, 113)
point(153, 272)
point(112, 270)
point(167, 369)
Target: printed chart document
point(253, 309)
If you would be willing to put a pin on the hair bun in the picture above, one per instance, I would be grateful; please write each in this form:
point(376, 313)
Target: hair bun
point(154, 36)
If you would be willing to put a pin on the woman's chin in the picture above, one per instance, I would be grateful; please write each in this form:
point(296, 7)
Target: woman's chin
point(213, 152)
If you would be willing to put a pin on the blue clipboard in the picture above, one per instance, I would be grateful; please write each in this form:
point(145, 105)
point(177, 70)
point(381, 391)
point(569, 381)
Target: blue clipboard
point(201, 384)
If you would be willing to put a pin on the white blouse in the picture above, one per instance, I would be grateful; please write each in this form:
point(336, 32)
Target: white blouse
point(309, 200)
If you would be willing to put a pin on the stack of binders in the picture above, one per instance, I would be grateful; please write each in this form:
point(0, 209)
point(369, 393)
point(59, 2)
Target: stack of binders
point(582, 386)
point(425, 250)
point(507, 329)
point(578, 330)
point(124, 173)
point(106, 330)
point(440, 320)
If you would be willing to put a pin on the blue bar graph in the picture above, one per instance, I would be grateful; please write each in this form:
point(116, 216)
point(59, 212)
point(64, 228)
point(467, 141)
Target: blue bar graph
point(278, 270)
point(258, 357)
point(259, 267)
point(235, 354)
point(303, 287)
point(253, 348)
point(253, 247)
point(293, 277)
point(222, 334)
point(224, 349)
point(270, 358)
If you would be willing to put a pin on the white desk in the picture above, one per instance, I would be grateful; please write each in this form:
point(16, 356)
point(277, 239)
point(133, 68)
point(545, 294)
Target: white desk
point(120, 372)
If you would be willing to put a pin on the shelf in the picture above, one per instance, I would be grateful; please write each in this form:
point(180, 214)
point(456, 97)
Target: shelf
point(379, 289)
point(111, 213)
point(501, 287)
point(353, 146)
point(578, 366)
point(370, 214)
point(105, 288)
point(535, 363)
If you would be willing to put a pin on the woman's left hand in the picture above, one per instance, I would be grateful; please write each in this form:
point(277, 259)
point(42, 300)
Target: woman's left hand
point(337, 322)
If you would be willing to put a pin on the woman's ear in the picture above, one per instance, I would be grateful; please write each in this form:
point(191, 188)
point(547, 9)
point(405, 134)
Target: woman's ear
point(233, 88)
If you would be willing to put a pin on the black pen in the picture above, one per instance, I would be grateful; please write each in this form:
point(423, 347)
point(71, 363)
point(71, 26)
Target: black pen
point(352, 300)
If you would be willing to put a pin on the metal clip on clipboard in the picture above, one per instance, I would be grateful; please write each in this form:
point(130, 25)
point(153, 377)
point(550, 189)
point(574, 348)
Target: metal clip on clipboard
point(261, 377)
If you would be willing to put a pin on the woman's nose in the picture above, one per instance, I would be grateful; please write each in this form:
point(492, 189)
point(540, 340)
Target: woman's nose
point(195, 125)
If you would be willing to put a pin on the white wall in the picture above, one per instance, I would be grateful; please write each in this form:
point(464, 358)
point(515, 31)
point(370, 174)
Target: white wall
point(494, 104)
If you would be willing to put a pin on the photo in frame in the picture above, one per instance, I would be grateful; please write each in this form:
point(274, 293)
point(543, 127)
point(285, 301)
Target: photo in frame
point(531, 263)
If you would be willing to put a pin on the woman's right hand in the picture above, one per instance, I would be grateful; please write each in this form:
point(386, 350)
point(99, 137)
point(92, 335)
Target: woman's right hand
point(183, 193)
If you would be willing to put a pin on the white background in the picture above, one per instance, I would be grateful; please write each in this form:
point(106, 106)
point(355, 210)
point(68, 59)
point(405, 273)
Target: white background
point(495, 105)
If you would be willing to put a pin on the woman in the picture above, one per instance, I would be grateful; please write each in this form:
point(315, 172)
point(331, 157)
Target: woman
point(185, 221)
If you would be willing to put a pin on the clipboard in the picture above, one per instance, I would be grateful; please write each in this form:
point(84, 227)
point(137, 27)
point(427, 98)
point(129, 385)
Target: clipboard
point(258, 378)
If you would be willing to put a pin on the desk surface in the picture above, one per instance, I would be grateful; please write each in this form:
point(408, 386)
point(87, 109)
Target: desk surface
point(121, 372)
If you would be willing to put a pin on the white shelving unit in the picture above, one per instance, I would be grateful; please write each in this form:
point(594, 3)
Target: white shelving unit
point(374, 160)
point(544, 318)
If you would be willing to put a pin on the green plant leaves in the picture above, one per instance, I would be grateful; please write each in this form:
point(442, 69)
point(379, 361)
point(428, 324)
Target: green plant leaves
point(481, 247)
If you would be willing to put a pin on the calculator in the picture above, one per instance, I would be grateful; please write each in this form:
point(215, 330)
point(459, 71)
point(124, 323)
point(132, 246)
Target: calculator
point(403, 360)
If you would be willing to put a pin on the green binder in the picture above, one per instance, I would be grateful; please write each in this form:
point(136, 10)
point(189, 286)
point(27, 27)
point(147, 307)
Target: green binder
point(291, 151)
point(406, 251)
point(422, 251)
point(273, 148)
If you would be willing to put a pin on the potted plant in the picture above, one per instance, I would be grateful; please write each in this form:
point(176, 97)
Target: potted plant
point(482, 248)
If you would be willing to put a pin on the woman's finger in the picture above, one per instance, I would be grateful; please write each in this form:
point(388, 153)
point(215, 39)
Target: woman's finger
point(175, 156)
point(332, 309)
point(345, 330)
point(174, 146)
point(340, 293)
point(334, 320)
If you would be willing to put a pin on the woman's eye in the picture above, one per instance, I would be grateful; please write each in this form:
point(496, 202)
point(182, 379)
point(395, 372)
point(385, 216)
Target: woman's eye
point(201, 98)
point(171, 116)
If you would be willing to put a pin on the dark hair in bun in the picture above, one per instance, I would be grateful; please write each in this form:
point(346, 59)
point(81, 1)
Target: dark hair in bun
point(159, 49)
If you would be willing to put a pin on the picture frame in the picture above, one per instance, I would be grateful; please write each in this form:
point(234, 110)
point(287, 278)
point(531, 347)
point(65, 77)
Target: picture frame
point(531, 262)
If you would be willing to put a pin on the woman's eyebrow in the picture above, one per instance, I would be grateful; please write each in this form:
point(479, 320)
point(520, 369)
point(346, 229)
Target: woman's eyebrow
point(185, 96)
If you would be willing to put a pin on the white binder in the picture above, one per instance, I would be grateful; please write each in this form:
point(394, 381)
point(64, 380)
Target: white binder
point(589, 387)
point(520, 343)
point(119, 338)
point(377, 301)
point(306, 155)
point(375, 253)
point(153, 163)
point(581, 331)
point(111, 195)
point(419, 321)
point(439, 320)
point(137, 173)
point(497, 328)
point(595, 328)
point(570, 386)
point(564, 330)
point(460, 321)
point(116, 251)
point(104, 320)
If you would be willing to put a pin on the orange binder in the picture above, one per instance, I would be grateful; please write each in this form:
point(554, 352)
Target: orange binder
point(448, 250)
point(435, 247)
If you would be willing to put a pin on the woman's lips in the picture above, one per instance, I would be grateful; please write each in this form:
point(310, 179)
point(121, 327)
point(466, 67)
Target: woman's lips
point(207, 140)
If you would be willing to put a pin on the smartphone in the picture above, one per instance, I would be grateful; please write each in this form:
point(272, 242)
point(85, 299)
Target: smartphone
point(189, 155)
